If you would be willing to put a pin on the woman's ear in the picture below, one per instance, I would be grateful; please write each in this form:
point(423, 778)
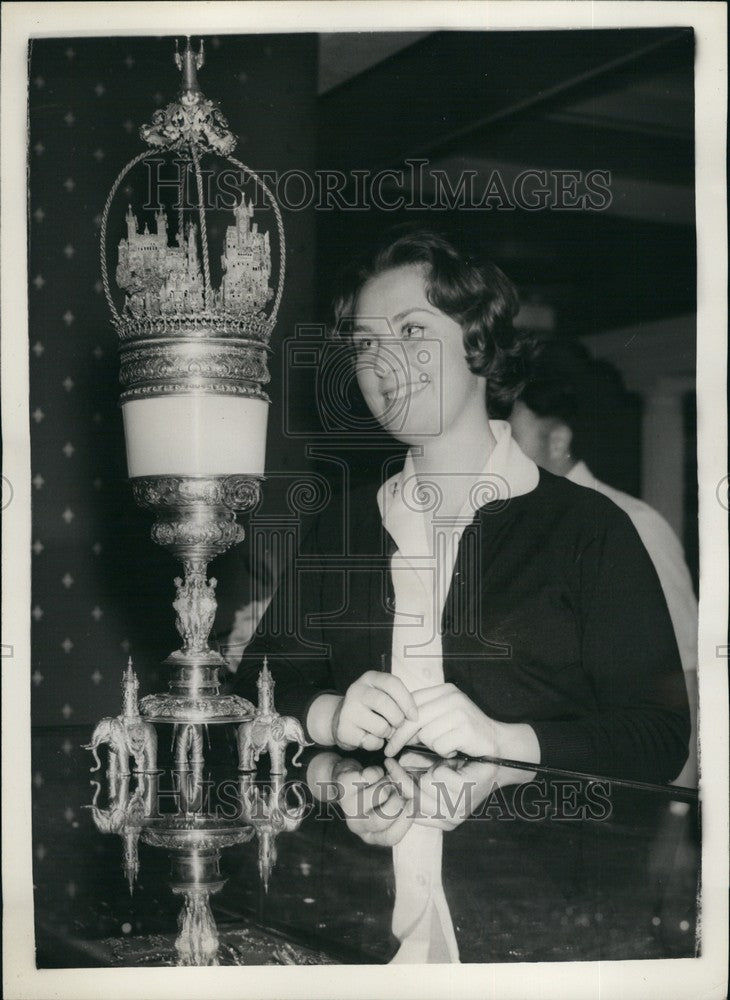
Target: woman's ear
point(560, 439)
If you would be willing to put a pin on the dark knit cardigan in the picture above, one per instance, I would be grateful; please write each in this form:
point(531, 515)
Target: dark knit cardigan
point(555, 617)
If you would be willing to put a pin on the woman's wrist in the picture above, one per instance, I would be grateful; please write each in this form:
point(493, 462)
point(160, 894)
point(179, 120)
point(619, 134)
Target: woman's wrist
point(517, 741)
point(321, 718)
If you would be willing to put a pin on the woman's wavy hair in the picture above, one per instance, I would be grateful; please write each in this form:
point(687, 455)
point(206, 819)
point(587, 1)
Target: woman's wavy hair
point(478, 296)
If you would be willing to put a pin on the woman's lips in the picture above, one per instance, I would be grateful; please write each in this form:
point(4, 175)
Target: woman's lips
point(405, 390)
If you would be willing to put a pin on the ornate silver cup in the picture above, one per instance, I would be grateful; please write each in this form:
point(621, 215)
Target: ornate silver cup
point(196, 521)
point(193, 366)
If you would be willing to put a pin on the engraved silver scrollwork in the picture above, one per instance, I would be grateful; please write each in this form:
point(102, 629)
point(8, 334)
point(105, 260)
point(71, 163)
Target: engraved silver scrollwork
point(233, 492)
point(255, 327)
point(214, 533)
point(222, 707)
point(199, 364)
point(182, 836)
point(203, 386)
point(190, 119)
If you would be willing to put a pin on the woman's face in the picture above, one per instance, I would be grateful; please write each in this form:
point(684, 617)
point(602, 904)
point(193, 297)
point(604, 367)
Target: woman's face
point(409, 358)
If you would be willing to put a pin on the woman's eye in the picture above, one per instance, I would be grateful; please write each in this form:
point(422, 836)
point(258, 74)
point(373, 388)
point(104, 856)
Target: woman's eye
point(363, 344)
point(412, 330)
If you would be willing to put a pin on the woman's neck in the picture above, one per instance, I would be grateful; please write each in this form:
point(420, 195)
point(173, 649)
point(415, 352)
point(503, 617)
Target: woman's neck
point(464, 450)
point(455, 461)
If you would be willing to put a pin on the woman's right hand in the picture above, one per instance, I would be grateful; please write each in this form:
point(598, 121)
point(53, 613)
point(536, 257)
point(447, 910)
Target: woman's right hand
point(373, 707)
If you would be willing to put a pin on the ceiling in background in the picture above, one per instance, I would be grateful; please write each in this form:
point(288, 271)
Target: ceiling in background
point(477, 103)
point(345, 54)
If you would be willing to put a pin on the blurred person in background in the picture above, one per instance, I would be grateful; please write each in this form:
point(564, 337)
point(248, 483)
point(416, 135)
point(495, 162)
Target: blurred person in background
point(559, 420)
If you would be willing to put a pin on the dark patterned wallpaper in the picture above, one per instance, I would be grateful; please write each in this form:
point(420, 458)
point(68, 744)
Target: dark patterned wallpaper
point(100, 588)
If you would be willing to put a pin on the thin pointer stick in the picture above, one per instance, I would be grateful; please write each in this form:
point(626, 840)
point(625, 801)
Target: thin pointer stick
point(674, 791)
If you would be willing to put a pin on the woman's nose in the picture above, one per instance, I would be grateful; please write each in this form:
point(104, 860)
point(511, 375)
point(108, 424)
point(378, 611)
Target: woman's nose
point(389, 360)
point(380, 367)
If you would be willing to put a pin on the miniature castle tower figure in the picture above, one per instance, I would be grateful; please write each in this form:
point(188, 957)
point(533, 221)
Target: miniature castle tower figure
point(246, 262)
point(265, 685)
point(130, 687)
point(161, 279)
point(157, 277)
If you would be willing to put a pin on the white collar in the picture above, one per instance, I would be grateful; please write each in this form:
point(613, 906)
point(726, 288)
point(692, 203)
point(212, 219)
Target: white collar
point(508, 473)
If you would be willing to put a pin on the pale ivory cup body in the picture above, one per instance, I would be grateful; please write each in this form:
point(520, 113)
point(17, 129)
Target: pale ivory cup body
point(195, 435)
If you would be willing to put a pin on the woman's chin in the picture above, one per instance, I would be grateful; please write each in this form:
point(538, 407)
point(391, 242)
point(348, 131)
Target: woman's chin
point(410, 431)
point(408, 421)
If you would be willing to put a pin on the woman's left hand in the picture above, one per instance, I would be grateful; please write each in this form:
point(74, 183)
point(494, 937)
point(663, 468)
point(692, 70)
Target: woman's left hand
point(448, 722)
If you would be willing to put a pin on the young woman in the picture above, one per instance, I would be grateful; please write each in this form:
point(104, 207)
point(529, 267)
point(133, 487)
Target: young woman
point(471, 602)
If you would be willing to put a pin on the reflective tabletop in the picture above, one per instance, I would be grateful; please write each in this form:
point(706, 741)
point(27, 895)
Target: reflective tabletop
point(347, 859)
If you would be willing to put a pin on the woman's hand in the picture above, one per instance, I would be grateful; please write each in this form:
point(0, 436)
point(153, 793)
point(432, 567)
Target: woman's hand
point(373, 708)
point(449, 723)
point(376, 810)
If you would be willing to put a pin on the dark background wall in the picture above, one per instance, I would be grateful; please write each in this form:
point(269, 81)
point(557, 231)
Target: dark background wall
point(100, 588)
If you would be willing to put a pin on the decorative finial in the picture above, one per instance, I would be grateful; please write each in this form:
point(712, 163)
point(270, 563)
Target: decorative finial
point(189, 63)
point(130, 686)
point(191, 120)
point(131, 877)
point(266, 681)
point(267, 856)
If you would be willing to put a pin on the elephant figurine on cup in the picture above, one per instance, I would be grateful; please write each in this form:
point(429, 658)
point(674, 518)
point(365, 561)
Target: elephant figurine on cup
point(128, 735)
point(268, 732)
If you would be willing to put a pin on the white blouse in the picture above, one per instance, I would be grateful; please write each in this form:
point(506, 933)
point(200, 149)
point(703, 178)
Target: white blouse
point(427, 545)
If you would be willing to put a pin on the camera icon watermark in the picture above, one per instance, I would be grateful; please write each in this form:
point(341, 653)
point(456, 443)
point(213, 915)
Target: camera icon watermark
point(362, 387)
point(723, 492)
point(8, 493)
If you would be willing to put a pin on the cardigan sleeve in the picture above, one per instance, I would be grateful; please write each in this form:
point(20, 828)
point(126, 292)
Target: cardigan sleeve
point(641, 726)
point(297, 656)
